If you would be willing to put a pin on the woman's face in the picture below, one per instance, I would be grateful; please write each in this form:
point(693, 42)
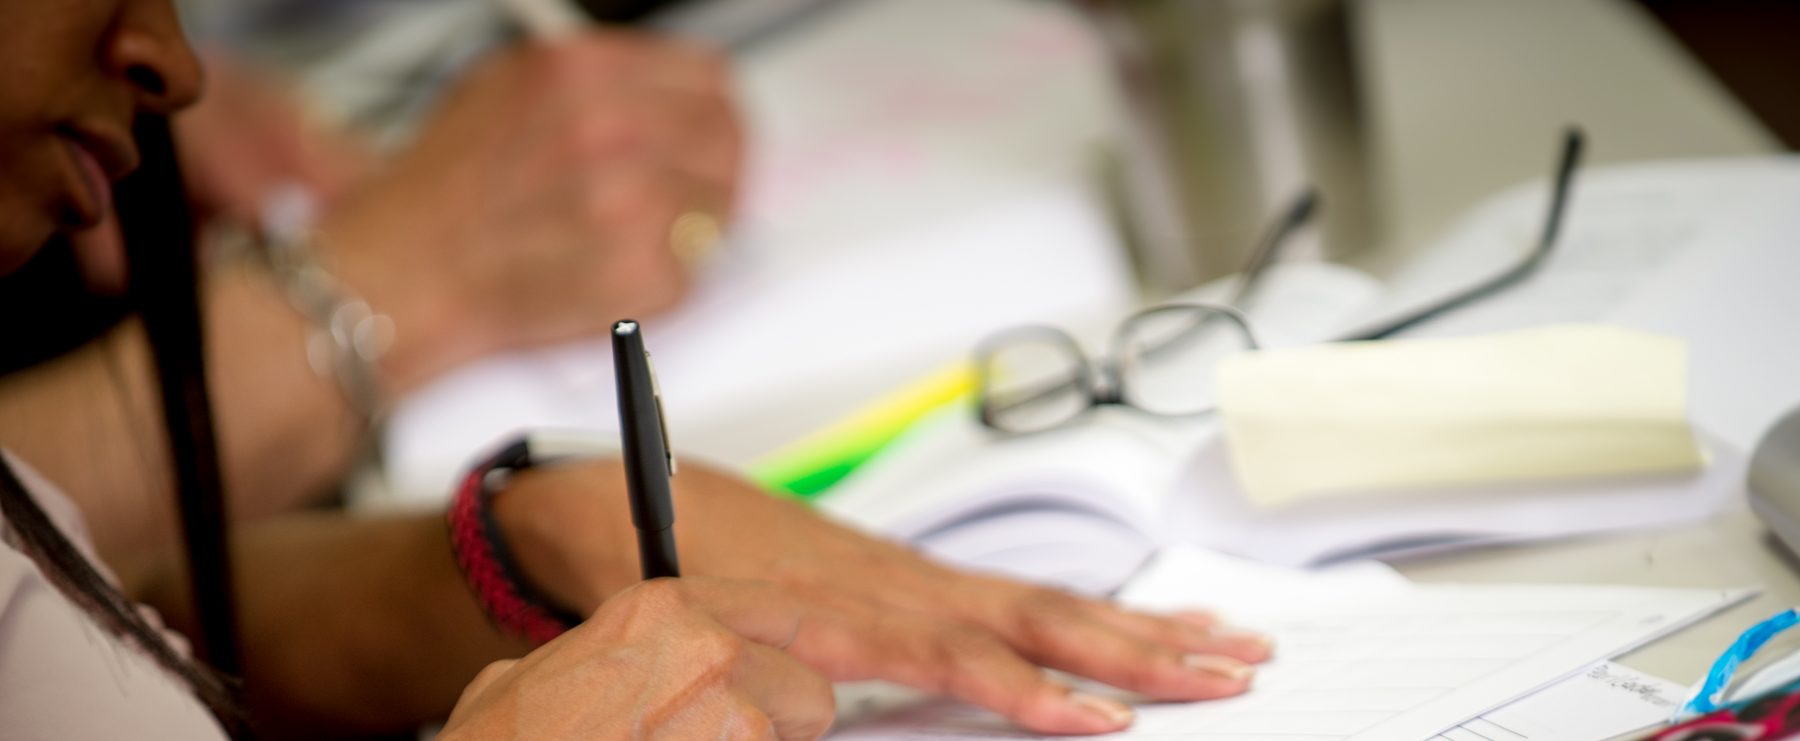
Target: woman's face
point(73, 75)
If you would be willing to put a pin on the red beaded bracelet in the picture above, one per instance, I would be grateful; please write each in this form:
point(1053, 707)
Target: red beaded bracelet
point(481, 551)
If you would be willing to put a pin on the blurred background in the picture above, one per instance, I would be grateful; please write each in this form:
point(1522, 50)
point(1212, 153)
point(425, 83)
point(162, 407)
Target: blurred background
point(920, 173)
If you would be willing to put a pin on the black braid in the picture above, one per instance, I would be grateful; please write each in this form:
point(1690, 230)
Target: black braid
point(156, 221)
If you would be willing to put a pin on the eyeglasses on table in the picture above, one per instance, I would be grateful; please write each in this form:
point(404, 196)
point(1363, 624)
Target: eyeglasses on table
point(1162, 360)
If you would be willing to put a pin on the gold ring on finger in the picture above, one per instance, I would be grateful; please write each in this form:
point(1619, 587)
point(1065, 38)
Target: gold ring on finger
point(693, 237)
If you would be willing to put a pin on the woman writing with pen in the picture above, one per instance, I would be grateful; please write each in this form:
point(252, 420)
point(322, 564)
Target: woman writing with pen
point(364, 625)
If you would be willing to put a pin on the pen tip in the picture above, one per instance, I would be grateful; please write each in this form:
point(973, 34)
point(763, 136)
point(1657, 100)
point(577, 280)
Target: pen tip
point(624, 327)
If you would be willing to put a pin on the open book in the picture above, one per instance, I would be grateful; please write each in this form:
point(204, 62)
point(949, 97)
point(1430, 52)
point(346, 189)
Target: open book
point(1084, 507)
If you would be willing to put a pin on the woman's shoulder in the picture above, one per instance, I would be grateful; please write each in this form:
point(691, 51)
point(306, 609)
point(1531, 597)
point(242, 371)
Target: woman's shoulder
point(61, 674)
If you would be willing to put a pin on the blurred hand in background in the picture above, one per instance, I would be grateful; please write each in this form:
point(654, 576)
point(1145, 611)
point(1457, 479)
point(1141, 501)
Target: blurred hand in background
point(251, 135)
point(540, 200)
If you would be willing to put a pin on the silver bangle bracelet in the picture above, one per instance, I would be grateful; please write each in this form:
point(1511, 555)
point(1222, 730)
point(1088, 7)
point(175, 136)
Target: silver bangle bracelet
point(349, 338)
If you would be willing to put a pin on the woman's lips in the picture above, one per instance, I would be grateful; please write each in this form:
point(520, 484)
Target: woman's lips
point(94, 199)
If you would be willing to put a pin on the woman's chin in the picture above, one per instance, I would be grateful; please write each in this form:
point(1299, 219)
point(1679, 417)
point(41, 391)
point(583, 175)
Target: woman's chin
point(18, 242)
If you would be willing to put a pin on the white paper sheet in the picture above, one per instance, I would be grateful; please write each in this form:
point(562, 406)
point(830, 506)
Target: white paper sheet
point(1735, 300)
point(1605, 701)
point(1390, 663)
point(1623, 224)
point(881, 115)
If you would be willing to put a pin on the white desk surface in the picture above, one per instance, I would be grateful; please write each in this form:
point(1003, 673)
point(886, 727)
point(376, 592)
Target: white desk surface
point(1732, 550)
point(1468, 95)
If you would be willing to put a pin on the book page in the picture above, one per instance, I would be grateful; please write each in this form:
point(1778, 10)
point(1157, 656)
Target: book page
point(1210, 509)
point(1080, 508)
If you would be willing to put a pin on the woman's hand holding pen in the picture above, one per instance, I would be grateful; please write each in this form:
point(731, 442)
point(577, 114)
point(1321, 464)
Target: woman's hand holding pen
point(894, 615)
point(664, 659)
point(539, 201)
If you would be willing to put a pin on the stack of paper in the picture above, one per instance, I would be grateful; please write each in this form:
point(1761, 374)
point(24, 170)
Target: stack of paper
point(1364, 656)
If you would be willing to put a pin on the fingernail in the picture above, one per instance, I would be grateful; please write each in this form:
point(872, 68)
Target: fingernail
point(1113, 711)
point(1260, 640)
point(1223, 666)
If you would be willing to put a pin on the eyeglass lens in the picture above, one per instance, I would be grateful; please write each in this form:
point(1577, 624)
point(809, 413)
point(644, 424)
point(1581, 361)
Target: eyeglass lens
point(1034, 382)
point(1168, 357)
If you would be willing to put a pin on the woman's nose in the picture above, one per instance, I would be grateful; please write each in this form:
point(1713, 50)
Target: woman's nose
point(148, 51)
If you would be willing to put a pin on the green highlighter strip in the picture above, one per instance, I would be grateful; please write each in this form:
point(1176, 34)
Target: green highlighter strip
point(808, 468)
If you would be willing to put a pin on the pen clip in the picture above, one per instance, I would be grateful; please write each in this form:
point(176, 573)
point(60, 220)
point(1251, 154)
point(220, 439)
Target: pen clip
point(662, 419)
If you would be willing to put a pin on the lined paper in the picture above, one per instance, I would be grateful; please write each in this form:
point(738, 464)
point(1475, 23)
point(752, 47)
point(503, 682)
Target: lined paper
point(1605, 701)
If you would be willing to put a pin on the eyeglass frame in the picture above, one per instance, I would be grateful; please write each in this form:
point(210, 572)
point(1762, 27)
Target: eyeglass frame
point(1562, 189)
point(1298, 213)
point(1103, 382)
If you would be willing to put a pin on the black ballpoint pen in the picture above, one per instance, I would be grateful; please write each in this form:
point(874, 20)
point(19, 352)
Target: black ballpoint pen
point(648, 460)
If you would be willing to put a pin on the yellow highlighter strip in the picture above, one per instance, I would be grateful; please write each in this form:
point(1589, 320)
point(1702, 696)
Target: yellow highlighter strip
point(810, 466)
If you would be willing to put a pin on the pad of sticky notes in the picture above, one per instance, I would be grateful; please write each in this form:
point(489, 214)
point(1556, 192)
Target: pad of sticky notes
point(1547, 404)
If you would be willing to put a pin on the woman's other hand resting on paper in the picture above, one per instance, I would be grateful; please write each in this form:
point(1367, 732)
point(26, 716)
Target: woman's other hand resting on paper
point(897, 615)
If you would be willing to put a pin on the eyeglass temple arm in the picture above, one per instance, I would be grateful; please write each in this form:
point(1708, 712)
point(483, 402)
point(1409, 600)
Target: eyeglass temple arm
point(1298, 213)
point(1565, 176)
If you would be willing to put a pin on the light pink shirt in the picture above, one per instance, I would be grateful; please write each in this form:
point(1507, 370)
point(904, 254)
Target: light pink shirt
point(62, 676)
